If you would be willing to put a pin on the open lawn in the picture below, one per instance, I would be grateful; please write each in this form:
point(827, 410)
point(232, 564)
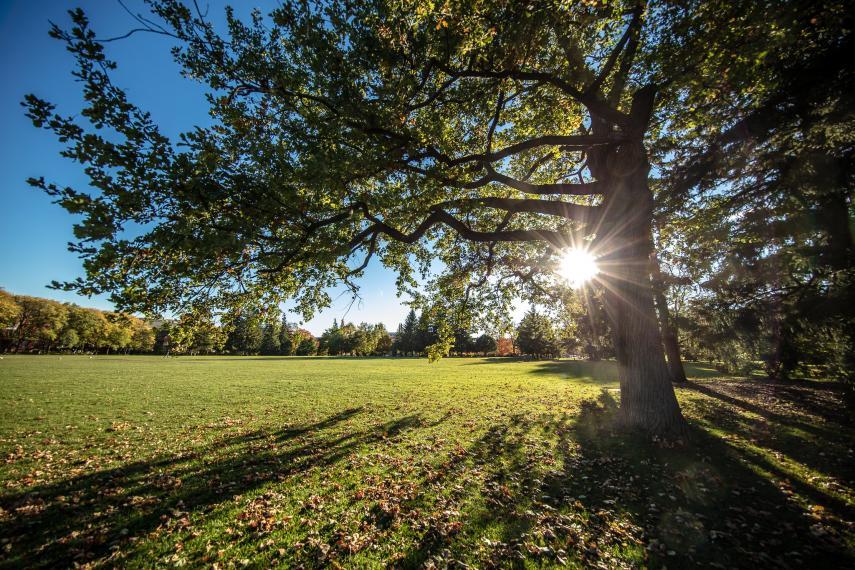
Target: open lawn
point(146, 461)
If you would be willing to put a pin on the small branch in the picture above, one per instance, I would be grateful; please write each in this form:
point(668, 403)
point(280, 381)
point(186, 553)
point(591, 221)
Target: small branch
point(613, 57)
point(372, 246)
point(593, 104)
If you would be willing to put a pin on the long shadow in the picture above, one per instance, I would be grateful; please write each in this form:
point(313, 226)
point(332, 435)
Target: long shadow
point(79, 519)
point(481, 360)
point(587, 483)
point(596, 372)
point(722, 411)
point(611, 492)
point(585, 371)
point(796, 394)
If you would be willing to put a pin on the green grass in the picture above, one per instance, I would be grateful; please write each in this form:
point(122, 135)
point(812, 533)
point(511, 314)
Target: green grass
point(257, 462)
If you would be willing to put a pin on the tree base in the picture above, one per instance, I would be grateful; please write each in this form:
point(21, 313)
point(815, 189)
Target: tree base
point(659, 424)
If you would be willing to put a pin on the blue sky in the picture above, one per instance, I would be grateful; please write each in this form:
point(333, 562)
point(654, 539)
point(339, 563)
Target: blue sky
point(33, 231)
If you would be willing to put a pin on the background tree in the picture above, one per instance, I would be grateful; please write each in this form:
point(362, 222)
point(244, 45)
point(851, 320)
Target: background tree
point(308, 346)
point(485, 344)
point(163, 337)
point(244, 336)
point(286, 329)
point(426, 333)
point(117, 334)
point(384, 341)
point(304, 342)
point(39, 322)
point(197, 333)
point(68, 339)
point(463, 342)
point(89, 324)
point(270, 339)
point(406, 340)
point(364, 340)
point(536, 336)
point(10, 311)
point(505, 346)
point(142, 337)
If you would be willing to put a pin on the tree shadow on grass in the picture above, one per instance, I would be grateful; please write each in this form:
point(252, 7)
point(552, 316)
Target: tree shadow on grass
point(822, 444)
point(573, 488)
point(82, 518)
point(593, 371)
point(703, 370)
point(587, 371)
point(530, 490)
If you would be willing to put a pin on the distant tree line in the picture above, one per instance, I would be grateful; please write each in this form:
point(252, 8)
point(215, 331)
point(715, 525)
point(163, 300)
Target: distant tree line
point(349, 339)
point(33, 324)
point(245, 334)
point(417, 333)
point(37, 325)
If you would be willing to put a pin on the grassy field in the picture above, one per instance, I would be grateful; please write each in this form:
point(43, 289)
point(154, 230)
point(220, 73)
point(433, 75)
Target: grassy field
point(258, 462)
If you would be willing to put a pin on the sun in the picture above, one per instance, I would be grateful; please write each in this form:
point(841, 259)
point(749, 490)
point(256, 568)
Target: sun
point(577, 267)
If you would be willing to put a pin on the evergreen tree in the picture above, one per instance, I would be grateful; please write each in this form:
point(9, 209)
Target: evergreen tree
point(286, 346)
point(245, 335)
point(270, 340)
point(536, 336)
point(485, 344)
point(462, 342)
point(407, 334)
point(425, 334)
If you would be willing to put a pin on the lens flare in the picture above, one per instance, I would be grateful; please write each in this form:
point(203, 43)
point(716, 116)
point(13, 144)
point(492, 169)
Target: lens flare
point(577, 267)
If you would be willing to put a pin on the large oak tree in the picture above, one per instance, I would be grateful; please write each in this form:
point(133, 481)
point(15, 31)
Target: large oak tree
point(489, 135)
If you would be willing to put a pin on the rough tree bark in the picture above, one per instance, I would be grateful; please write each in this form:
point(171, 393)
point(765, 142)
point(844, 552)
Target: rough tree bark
point(648, 401)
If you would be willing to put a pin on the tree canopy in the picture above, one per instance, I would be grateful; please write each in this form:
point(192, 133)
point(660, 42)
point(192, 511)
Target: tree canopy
point(490, 136)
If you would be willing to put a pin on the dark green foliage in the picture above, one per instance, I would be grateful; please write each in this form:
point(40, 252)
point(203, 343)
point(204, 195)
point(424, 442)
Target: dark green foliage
point(270, 345)
point(536, 336)
point(426, 333)
point(757, 203)
point(244, 335)
point(463, 342)
point(286, 346)
point(163, 338)
point(406, 341)
point(308, 347)
point(485, 344)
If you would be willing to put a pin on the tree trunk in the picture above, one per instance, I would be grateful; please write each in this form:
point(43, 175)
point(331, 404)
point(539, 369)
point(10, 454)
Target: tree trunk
point(648, 401)
point(667, 325)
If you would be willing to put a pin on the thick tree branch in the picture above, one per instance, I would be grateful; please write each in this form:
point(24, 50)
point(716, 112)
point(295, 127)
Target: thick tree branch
point(585, 189)
point(577, 142)
point(440, 216)
point(565, 210)
point(567, 189)
point(372, 247)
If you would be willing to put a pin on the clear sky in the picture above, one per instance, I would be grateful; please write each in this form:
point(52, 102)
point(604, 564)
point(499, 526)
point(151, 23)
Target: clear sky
point(33, 231)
